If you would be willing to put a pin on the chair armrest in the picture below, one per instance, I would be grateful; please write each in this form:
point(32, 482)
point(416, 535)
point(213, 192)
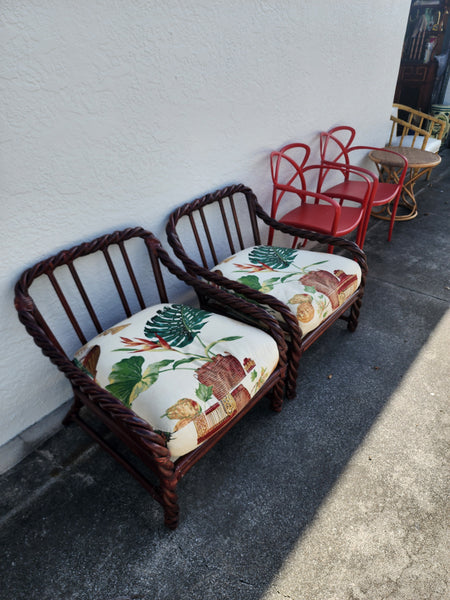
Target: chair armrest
point(97, 397)
point(194, 276)
point(369, 178)
point(195, 273)
point(347, 169)
point(291, 322)
point(101, 401)
point(302, 193)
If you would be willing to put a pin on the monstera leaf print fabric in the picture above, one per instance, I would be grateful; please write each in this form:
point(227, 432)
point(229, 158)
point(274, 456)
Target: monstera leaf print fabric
point(312, 284)
point(184, 370)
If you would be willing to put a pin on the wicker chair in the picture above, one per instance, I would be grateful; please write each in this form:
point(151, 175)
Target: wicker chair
point(415, 129)
point(114, 278)
point(205, 232)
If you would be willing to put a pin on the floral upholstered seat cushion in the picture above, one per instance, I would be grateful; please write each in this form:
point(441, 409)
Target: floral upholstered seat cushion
point(312, 284)
point(184, 370)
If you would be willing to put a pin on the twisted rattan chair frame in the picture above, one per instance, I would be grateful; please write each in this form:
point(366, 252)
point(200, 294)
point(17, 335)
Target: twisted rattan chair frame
point(191, 223)
point(136, 433)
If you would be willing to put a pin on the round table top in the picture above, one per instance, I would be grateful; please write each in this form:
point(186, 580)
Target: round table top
point(416, 158)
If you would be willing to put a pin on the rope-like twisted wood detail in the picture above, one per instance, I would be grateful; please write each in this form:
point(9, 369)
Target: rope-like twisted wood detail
point(290, 323)
point(151, 445)
point(29, 316)
point(254, 312)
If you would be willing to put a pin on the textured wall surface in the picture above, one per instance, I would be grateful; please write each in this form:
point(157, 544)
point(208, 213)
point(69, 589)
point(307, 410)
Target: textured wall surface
point(115, 112)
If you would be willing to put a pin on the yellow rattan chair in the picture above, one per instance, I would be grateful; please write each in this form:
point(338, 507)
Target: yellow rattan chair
point(415, 129)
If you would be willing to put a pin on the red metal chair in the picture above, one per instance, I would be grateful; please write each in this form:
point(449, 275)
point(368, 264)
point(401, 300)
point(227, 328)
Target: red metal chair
point(314, 210)
point(335, 148)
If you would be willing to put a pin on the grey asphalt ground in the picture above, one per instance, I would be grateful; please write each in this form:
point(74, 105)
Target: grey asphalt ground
point(341, 496)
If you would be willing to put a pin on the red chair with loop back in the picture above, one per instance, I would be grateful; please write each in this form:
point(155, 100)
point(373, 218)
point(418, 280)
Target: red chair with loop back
point(335, 148)
point(300, 185)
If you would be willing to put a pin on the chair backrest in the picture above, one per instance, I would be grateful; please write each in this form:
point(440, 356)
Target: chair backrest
point(336, 145)
point(288, 165)
point(338, 150)
point(335, 142)
point(82, 291)
point(413, 128)
point(288, 170)
point(221, 223)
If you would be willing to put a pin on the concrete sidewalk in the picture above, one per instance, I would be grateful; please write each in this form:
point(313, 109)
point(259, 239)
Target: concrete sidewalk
point(341, 496)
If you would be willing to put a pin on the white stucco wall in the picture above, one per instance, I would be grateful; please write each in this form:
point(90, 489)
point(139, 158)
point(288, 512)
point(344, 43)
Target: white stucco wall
point(115, 112)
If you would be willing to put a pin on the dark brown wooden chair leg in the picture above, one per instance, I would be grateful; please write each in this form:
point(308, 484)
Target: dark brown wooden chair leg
point(132, 287)
point(354, 315)
point(72, 412)
point(291, 379)
point(169, 500)
point(277, 397)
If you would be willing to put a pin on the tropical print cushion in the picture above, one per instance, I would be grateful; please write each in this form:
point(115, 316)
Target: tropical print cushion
point(312, 284)
point(184, 370)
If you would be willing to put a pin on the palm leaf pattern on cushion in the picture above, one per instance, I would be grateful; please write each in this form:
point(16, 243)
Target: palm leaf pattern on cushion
point(272, 258)
point(127, 381)
point(276, 258)
point(177, 324)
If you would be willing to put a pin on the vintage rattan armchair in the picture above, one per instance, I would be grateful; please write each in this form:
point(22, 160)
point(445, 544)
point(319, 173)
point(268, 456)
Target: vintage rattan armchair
point(205, 232)
point(86, 291)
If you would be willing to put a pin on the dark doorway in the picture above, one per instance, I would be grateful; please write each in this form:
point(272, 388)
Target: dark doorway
point(424, 67)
